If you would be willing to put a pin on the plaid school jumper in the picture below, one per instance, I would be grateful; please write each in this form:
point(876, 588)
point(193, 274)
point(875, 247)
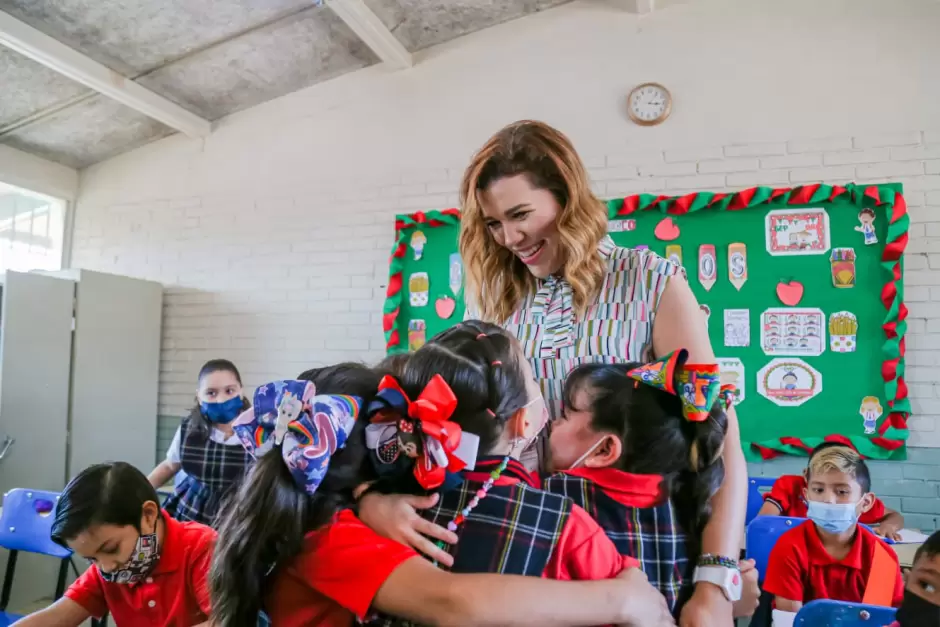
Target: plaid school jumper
point(652, 535)
point(212, 469)
point(512, 531)
point(617, 327)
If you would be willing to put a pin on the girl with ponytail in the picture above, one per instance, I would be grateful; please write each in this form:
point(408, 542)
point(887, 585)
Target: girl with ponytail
point(639, 446)
point(290, 544)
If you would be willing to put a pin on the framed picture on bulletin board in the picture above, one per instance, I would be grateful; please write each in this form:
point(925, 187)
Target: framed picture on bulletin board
point(801, 291)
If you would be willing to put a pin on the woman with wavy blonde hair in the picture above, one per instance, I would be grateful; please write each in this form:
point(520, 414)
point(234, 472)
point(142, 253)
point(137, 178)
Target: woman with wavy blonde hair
point(538, 262)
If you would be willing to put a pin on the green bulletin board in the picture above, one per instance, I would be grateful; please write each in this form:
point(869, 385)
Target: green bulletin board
point(813, 391)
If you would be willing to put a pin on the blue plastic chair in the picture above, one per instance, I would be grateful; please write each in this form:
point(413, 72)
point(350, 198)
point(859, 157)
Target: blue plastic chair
point(762, 535)
point(841, 614)
point(755, 495)
point(25, 525)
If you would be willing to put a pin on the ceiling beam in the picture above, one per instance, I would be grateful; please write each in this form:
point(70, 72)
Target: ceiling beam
point(39, 47)
point(370, 29)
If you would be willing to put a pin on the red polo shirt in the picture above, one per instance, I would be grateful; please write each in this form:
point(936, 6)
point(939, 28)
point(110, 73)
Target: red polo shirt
point(176, 594)
point(787, 494)
point(336, 577)
point(800, 568)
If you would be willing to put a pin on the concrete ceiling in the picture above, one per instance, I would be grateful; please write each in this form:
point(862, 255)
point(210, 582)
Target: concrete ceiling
point(211, 58)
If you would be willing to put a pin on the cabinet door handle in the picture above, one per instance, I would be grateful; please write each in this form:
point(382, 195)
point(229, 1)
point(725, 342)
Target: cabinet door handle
point(7, 443)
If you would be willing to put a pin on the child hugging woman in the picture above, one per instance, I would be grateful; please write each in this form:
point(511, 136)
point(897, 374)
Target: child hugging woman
point(641, 452)
point(291, 544)
point(205, 447)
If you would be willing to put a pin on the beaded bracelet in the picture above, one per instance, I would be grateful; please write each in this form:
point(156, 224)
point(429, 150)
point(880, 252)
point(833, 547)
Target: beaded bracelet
point(710, 559)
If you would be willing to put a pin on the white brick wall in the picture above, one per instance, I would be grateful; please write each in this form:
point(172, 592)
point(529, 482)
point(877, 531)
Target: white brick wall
point(281, 284)
point(272, 236)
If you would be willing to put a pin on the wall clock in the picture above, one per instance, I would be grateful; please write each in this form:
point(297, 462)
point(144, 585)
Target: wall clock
point(649, 104)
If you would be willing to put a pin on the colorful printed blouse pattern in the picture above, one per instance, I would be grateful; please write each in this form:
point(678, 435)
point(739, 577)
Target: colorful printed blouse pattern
point(618, 327)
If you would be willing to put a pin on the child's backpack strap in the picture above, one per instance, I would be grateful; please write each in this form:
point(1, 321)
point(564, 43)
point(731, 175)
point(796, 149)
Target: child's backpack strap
point(879, 589)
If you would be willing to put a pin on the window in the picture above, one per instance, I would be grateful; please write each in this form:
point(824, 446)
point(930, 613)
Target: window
point(31, 230)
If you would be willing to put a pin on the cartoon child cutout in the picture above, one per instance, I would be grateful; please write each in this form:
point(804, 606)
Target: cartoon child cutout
point(871, 411)
point(867, 228)
point(789, 381)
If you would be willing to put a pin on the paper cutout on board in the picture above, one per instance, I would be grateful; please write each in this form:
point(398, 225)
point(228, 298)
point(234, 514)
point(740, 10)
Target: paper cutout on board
point(731, 371)
point(418, 240)
point(621, 226)
point(843, 332)
point(418, 286)
point(737, 264)
point(788, 382)
point(417, 334)
point(870, 411)
point(842, 262)
point(797, 232)
point(707, 311)
point(796, 331)
point(790, 294)
point(445, 306)
point(737, 327)
point(666, 230)
point(707, 266)
point(866, 218)
point(455, 280)
point(674, 254)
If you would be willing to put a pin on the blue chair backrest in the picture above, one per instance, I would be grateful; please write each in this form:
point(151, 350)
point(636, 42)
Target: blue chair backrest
point(762, 535)
point(755, 495)
point(26, 522)
point(828, 613)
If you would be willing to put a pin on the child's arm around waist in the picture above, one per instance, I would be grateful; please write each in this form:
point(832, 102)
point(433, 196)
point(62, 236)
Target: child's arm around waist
point(584, 552)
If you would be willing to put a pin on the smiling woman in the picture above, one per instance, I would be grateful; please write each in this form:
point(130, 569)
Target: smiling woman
point(539, 262)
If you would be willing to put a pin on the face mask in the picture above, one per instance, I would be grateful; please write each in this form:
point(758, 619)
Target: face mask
point(581, 459)
point(221, 413)
point(918, 612)
point(539, 406)
point(142, 562)
point(832, 517)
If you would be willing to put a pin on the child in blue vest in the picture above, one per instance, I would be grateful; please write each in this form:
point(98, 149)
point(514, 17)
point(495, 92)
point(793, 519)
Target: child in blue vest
point(639, 447)
point(206, 448)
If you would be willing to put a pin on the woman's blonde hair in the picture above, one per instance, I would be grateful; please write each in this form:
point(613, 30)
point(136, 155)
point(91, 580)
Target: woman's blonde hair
point(496, 280)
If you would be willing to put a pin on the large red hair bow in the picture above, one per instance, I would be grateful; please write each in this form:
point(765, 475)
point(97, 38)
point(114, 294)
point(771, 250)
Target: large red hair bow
point(420, 429)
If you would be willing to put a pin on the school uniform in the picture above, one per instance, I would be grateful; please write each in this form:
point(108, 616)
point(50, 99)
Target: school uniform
point(175, 594)
point(639, 518)
point(213, 465)
point(800, 568)
point(336, 576)
point(787, 494)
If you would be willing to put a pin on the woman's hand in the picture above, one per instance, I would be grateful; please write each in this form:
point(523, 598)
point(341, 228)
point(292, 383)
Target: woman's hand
point(395, 516)
point(647, 607)
point(750, 591)
point(708, 607)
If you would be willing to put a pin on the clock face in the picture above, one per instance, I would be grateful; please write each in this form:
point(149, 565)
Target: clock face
point(649, 104)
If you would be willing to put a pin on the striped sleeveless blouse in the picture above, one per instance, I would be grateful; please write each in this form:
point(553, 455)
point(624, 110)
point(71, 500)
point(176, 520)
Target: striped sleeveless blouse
point(618, 327)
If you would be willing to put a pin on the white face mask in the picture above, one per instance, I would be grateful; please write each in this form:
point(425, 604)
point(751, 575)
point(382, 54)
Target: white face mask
point(832, 517)
point(543, 418)
point(581, 459)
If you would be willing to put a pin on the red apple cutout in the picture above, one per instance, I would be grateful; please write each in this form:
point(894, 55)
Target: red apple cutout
point(444, 306)
point(666, 230)
point(790, 293)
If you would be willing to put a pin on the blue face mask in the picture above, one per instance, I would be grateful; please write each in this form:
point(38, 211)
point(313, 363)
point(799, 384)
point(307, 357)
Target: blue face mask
point(221, 413)
point(832, 517)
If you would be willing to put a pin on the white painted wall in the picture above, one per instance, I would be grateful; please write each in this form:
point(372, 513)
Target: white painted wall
point(36, 174)
point(272, 235)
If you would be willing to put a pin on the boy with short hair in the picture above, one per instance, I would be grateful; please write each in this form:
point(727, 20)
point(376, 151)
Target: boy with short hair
point(830, 556)
point(786, 498)
point(921, 606)
point(147, 568)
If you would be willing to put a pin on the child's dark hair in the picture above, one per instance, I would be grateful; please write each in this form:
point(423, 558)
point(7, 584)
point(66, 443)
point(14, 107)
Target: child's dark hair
point(843, 459)
point(103, 494)
point(262, 526)
point(656, 437)
point(393, 364)
point(477, 361)
point(929, 548)
point(198, 423)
